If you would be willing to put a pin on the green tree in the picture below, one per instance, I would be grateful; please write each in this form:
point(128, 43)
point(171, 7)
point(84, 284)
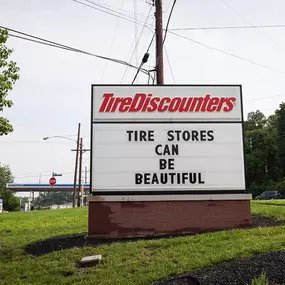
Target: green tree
point(11, 202)
point(53, 198)
point(8, 76)
point(255, 120)
point(5, 176)
point(272, 122)
point(261, 149)
point(280, 114)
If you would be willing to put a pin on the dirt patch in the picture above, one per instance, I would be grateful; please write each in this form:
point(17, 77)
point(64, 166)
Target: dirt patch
point(79, 240)
point(261, 221)
point(239, 272)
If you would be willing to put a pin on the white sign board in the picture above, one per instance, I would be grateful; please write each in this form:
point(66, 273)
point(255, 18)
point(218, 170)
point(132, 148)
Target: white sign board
point(1, 205)
point(167, 139)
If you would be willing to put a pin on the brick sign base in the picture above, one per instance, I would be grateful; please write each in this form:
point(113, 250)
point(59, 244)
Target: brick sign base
point(111, 218)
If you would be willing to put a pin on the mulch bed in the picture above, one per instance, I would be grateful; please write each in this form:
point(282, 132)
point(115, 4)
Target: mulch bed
point(239, 272)
point(79, 240)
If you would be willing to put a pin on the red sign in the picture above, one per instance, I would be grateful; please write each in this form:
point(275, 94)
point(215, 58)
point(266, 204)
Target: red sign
point(146, 103)
point(52, 181)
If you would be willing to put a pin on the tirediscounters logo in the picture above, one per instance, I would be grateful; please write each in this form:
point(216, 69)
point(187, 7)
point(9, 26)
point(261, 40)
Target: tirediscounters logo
point(148, 103)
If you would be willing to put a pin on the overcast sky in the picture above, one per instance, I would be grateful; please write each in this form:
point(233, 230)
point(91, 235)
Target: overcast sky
point(53, 93)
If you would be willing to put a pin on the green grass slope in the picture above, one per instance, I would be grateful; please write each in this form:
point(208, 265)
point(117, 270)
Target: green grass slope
point(140, 262)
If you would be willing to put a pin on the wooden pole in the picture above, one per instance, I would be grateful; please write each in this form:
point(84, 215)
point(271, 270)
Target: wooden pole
point(76, 166)
point(80, 173)
point(159, 42)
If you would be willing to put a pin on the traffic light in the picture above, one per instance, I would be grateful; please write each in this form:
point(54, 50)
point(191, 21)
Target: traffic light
point(266, 169)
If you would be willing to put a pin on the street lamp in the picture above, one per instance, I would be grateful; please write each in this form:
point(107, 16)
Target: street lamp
point(62, 137)
point(76, 160)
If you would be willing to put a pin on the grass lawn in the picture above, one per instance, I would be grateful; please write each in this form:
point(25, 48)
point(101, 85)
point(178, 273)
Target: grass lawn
point(140, 262)
point(269, 208)
point(270, 202)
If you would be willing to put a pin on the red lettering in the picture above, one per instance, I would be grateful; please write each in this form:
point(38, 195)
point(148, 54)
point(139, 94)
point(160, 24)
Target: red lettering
point(199, 102)
point(137, 102)
point(230, 104)
point(105, 101)
point(174, 105)
point(116, 103)
point(183, 107)
point(221, 103)
point(125, 104)
point(142, 102)
point(212, 105)
point(206, 100)
point(144, 108)
point(162, 107)
point(153, 104)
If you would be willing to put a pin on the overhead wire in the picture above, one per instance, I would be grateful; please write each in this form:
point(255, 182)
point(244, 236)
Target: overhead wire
point(64, 47)
point(164, 38)
point(130, 60)
point(107, 8)
point(125, 17)
point(168, 21)
point(267, 97)
point(106, 11)
point(241, 16)
point(112, 43)
point(227, 53)
point(226, 27)
point(42, 175)
point(136, 31)
point(169, 65)
point(143, 62)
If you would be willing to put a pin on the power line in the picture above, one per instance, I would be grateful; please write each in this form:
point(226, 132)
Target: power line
point(227, 53)
point(144, 60)
point(168, 61)
point(240, 15)
point(168, 21)
point(125, 17)
point(136, 45)
point(226, 27)
point(28, 173)
point(114, 34)
point(42, 175)
point(267, 97)
point(68, 48)
point(107, 8)
point(136, 29)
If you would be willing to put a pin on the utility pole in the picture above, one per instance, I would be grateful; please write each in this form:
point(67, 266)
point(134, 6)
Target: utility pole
point(80, 173)
point(84, 200)
point(76, 166)
point(159, 42)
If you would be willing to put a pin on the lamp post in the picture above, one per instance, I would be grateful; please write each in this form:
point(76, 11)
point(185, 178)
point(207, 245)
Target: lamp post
point(76, 160)
point(62, 137)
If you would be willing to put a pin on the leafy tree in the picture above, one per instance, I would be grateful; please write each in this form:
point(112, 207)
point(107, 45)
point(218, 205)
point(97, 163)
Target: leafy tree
point(255, 120)
point(53, 198)
point(11, 202)
point(280, 114)
point(261, 150)
point(5, 176)
point(8, 76)
point(272, 122)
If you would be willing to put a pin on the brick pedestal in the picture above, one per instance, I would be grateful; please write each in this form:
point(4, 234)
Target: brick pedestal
point(129, 217)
